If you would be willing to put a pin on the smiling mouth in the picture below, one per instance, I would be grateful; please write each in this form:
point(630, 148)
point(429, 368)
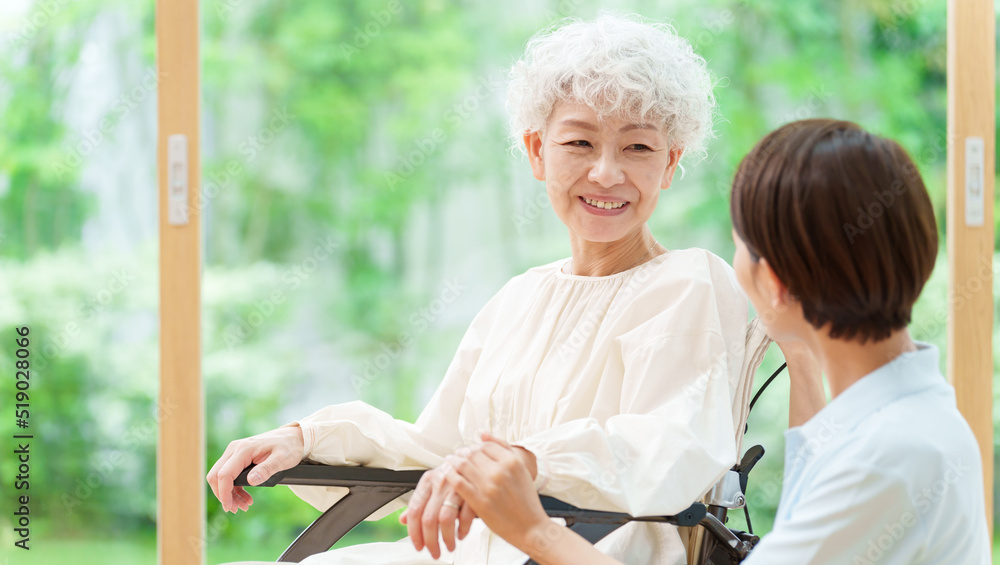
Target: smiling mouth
point(602, 204)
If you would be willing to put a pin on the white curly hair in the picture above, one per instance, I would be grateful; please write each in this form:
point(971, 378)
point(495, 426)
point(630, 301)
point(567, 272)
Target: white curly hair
point(618, 65)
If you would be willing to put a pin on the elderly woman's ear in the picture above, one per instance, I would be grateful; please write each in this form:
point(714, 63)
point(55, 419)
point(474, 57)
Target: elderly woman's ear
point(533, 145)
point(675, 159)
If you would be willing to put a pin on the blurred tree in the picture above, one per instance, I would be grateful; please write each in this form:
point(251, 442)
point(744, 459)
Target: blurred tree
point(40, 204)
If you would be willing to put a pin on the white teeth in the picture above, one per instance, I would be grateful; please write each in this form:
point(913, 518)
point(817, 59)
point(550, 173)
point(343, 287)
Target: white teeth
point(602, 204)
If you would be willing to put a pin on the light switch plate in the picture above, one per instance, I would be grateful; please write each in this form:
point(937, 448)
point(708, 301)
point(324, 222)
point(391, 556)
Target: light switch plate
point(177, 180)
point(975, 181)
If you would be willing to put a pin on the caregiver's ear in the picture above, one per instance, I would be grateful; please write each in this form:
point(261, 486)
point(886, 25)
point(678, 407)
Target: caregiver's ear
point(675, 159)
point(777, 293)
point(533, 145)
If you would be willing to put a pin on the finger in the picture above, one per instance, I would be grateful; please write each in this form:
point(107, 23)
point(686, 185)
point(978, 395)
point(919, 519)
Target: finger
point(429, 521)
point(415, 510)
point(226, 476)
point(500, 454)
point(242, 498)
point(465, 489)
point(451, 461)
point(240, 459)
point(450, 507)
point(242, 492)
point(267, 464)
point(212, 478)
point(508, 463)
point(465, 518)
point(488, 456)
point(492, 465)
point(213, 474)
point(496, 451)
point(474, 469)
point(490, 438)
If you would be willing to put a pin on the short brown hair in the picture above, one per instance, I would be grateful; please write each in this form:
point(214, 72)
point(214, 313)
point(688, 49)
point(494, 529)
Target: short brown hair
point(844, 220)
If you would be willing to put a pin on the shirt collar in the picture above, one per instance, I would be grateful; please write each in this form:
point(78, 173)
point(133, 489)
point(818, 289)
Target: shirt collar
point(909, 373)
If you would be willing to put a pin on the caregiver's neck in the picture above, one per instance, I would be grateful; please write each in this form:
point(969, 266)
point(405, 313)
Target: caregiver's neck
point(846, 362)
point(599, 259)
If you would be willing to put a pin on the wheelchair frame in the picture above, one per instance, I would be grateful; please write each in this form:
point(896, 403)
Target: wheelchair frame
point(369, 489)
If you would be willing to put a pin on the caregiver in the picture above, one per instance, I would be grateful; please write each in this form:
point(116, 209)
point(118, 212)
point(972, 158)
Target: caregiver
point(888, 472)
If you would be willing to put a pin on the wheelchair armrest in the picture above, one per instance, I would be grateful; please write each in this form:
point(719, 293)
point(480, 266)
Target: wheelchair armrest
point(555, 508)
point(372, 488)
point(368, 490)
point(314, 474)
point(317, 474)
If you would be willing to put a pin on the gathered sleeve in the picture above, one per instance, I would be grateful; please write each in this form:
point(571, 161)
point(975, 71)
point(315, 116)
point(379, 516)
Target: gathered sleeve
point(671, 442)
point(356, 433)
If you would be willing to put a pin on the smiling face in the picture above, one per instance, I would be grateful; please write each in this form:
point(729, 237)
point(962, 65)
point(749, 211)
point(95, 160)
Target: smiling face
point(603, 177)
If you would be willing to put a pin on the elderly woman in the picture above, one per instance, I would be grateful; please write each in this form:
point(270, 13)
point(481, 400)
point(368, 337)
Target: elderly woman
point(889, 471)
point(611, 371)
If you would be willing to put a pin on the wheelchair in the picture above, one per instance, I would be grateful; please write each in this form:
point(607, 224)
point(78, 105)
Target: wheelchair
point(709, 541)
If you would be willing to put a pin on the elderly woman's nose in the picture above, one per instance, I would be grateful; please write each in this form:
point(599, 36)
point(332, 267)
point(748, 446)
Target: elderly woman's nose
point(606, 170)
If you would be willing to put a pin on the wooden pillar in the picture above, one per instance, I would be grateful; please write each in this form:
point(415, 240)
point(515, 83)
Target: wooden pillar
point(971, 137)
point(180, 452)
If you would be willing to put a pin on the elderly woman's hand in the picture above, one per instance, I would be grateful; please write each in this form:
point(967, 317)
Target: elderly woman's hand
point(497, 481)
point(272, 451)
point(434, 508)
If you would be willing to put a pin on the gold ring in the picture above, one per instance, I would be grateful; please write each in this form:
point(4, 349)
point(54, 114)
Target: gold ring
point(450, 504)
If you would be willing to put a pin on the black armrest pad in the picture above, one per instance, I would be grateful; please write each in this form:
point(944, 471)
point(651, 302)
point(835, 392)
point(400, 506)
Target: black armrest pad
point(315, 474)
point(556, 508)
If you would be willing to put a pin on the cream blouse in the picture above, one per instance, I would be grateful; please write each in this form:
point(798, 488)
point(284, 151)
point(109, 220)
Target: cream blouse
point(622, 386)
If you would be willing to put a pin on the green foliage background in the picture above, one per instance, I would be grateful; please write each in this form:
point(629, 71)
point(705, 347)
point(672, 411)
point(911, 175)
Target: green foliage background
point(376, 129)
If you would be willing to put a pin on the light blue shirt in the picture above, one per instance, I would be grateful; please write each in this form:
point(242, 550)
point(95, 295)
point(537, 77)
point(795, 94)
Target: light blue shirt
point(888, 472)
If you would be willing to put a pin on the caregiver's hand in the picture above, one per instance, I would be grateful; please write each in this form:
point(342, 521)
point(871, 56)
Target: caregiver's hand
point(496, 480)
point(434, 508)
point(272, 451)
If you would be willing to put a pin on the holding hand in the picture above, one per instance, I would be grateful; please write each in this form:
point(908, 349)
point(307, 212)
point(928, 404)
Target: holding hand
point(272, 451)
point(434, 508)
point(496, 480)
